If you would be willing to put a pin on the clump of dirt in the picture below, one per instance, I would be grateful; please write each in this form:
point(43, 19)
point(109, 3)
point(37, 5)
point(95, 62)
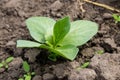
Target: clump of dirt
point(106, 66)
point(13, 14)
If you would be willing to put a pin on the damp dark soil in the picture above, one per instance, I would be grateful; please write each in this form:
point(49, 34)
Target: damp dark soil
point(106, 66)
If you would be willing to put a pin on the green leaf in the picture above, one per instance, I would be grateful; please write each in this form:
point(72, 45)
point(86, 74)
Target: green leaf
point(33, 73)
point(118, 18)
point(115, 16)
point(61, 28)
point(20, 79)
point(26, 66)
point(52, 56)
point(85, 65)
point(100, 52)
point(81, 31)
point(67, 51)
point(6, 66)
point(39, 27)
point(28, 77)
point(1, 65)
point(25, 75)
point(25, 43)
point(8, 60)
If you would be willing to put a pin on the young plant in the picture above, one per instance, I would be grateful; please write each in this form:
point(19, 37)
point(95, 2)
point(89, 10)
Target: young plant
point(100, 52)
point(60, 37)
point(116, 18)
point(5, 63)
point(85, 65)
point(28, 74)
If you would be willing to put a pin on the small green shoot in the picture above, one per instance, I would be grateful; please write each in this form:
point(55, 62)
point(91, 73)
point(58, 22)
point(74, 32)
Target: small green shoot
point(28, 74)
point(20, 79)
point(100, 52)
point(60, 37)
point(85, 65)
point(5, 63)
point(116, 18)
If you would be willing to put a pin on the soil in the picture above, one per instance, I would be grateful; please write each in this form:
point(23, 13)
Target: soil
point(13, 14)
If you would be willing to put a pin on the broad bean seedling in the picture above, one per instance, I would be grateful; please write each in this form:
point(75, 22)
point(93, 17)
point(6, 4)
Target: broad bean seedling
point(60, 37)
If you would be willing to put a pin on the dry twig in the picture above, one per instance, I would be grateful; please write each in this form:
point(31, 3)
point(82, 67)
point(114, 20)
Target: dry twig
point(103, 5)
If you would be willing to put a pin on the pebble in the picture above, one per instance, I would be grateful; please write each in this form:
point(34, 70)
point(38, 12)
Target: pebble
point(107, 15)
point(48, 76)
point(11, 43)
point(83, 74)
point(74, 64)
point(37, 77)
point(57, 5)
point(31, 54)
point(16, 63)
point(2, 70)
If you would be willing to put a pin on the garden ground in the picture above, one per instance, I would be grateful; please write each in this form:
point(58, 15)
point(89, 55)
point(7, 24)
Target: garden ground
point(13, 14)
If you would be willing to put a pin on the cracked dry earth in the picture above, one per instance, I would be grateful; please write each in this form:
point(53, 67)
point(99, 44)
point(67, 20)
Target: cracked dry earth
point(106, 66)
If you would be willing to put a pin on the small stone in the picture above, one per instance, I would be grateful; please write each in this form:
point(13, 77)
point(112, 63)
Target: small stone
point(2, 70)
point(111, 42)
point(99, 20)
point(37, 77)
point(14, 73)
point(74, 64)
point(12, 3)
point(83, 74)
point(58, 15)
point(57, 5)
point(88, 52)
point(31, 54)
point(22, 14)
point(107, 15)
point(53, 13)
point(16, 63)
point(48, 76)
point(60, 71)
point(10, 43)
